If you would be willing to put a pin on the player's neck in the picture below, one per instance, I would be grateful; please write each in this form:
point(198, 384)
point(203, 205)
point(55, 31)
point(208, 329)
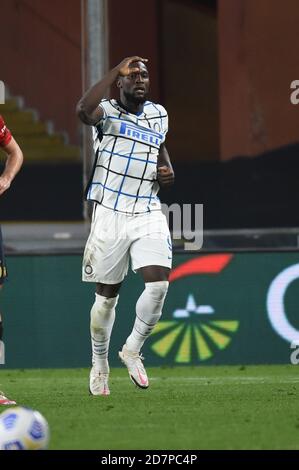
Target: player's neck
point(131, 107)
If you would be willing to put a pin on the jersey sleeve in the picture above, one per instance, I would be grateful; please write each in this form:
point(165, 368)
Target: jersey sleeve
point(5, 134)
point(103, 104)
point(164, 122)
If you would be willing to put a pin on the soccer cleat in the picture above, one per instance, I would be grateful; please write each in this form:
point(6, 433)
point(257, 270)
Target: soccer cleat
point(98, 383)
point(5, 401)
point(133, 361)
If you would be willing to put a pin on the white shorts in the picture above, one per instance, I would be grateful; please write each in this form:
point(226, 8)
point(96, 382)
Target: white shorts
point(115, 238)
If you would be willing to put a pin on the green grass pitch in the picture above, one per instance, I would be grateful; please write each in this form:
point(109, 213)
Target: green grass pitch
point(254, 407)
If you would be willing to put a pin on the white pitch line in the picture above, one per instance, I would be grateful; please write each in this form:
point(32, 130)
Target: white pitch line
point(222, 380)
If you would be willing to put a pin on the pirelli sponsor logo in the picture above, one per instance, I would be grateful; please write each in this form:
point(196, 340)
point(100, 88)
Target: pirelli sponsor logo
point(149, 137)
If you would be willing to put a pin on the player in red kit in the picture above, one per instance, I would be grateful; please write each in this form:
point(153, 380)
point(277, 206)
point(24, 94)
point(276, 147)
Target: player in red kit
point(14, 160)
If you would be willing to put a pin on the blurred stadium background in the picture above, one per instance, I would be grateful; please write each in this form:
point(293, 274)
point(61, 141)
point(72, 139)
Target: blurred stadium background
point(223, 70)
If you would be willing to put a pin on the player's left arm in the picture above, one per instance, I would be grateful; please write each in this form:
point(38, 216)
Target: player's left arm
point(13, 164)
point(165, 170)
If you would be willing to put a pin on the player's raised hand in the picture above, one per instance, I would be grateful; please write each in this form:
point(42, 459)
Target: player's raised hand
point(124, 67)
point(165, 176)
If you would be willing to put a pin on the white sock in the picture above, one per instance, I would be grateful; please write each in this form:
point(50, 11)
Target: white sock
point(102, 318)
point(148, 312)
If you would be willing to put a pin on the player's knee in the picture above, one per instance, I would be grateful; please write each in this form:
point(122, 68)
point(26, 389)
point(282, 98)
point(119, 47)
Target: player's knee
point(102, 310)
point(157, 290)
point(106, 303)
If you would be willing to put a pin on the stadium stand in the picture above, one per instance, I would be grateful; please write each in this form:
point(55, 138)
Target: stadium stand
point(50, 164)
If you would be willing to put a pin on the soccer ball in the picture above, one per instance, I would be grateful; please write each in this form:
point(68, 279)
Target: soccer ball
point(23, 429)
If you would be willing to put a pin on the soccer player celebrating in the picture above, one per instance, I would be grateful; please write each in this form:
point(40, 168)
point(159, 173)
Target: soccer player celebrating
point(13, 164)
point(131, 163)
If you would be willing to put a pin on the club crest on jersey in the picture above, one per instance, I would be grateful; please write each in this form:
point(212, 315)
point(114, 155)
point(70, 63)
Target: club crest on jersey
point(157, 127)
point(149, 137)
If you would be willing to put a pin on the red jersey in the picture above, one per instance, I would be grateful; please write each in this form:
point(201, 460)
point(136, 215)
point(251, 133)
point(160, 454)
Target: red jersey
point(5, 134)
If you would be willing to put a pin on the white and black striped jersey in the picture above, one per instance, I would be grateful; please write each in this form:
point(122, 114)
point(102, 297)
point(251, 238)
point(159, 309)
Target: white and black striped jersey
point(126, 147)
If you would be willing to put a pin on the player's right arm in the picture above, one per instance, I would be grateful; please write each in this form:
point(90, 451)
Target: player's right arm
point(88, 109)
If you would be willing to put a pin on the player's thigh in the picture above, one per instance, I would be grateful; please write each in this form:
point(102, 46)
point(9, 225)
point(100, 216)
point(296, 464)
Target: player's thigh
point(154, 273)
point(106, 254)
point(152, 248)
point(105, 261)
point(152, 257)
point(108, 290)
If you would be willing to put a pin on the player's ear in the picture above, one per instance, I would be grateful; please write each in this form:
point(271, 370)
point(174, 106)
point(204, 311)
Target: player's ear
point(118, 83)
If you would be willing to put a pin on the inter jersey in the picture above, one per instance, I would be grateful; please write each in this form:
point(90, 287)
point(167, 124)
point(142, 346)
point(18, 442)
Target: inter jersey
point(126, 147)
